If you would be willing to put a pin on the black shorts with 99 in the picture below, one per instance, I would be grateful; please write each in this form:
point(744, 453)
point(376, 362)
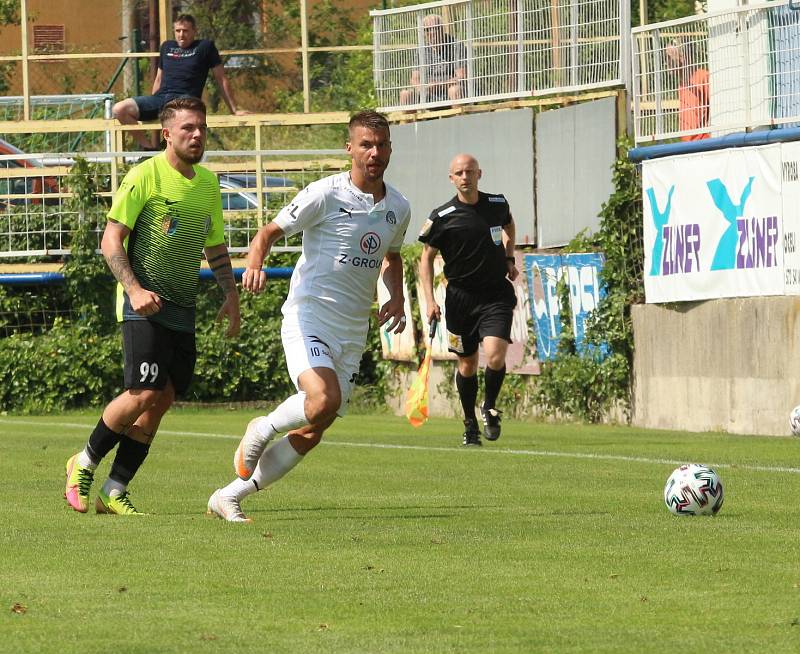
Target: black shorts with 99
point(472, 316)
point(155, 354)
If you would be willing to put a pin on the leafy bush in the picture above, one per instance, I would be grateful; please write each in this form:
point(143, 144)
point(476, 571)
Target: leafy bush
point(588, 385)
point(68, 367)
point(251, 367)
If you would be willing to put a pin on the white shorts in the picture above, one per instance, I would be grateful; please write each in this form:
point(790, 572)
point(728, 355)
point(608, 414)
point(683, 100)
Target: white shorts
point(308, 346)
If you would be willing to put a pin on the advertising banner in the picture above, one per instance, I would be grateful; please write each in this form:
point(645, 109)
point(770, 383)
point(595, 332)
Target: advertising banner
point(581, 272)
point(713, 225)
point(790, 193)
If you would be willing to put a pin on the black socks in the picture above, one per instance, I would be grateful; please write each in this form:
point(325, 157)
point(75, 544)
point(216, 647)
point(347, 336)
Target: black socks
point(101, 442)
point(468, 394)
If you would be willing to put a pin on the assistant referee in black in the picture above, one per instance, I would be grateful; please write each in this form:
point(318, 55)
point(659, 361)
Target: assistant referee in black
point(475, 233)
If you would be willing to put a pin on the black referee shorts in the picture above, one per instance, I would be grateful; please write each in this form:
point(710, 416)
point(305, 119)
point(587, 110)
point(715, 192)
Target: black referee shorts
point(155, 354)
point(473, 316)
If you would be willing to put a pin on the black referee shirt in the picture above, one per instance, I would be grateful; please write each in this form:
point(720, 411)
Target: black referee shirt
point(469, 237)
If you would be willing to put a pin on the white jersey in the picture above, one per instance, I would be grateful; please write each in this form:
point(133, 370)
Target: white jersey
point(345, 238)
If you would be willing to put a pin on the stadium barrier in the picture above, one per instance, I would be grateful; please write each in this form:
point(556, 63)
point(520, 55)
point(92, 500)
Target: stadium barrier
point(498, 49)
point(48, 278)
point(36, 218)
point(718, 73)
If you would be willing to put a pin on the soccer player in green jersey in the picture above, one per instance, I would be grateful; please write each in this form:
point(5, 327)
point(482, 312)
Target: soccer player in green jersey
point(165, 215)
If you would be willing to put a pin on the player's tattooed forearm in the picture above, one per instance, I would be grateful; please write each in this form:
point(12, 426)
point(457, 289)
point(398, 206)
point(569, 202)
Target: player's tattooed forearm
point(223, 273)
point(224, 256)
point(121, 269)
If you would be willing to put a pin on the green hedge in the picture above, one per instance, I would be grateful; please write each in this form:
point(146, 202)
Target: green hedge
point(79, 364)
point(68, 367)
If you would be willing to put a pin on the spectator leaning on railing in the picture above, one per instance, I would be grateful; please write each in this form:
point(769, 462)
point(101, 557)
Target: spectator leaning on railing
point(183, 66)
point(443, 62)
point(693, 97)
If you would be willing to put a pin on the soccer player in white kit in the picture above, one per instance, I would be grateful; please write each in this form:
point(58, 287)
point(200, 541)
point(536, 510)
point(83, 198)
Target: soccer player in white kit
point(353, 226)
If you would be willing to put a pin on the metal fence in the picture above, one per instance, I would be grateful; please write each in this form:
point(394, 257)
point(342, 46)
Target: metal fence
point(37, 219)
point(91, 47)
point(457, 51)
point(722, 72)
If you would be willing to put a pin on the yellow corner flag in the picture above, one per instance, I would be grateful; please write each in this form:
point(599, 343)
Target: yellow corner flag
point(417, 397)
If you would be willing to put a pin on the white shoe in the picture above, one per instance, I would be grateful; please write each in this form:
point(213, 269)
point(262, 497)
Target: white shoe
point(251, 447)
point(226, 508)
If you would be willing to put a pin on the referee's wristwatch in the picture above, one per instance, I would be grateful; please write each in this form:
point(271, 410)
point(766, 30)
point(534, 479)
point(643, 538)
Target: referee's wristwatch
point(511, 259)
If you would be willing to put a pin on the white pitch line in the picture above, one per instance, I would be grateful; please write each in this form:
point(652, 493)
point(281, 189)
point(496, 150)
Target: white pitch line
point(428, 448)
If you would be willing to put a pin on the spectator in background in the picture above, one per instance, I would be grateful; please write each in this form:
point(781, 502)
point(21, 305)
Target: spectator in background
point(693, 100)
point(442, 64)
point(183, 66)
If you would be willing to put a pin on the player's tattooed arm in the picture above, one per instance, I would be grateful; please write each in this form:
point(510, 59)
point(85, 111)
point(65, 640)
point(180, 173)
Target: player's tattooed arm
point(113, 247)
point(219, 261)
point(143, 302)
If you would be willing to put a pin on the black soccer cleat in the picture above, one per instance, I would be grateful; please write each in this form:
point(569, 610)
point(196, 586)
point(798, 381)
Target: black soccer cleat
point(472, 435)
point(491, 423)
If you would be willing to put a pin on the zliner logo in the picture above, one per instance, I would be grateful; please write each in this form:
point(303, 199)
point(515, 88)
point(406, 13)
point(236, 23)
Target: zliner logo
point(725, 256)
point(758, 240)
point(370, 243)
point(660, 219)
point(677, 247)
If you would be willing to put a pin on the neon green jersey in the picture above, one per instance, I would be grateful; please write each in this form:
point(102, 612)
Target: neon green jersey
point(171, 219)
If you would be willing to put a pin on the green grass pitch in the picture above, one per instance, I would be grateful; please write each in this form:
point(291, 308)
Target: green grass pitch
point(391, 539)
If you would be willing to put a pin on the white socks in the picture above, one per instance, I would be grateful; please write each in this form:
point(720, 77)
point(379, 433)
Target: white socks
point(278, 459)
point(85, 461)
point(289, 414)
point(113, 487)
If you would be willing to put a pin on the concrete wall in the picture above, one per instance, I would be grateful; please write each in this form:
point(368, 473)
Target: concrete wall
point(721, 365)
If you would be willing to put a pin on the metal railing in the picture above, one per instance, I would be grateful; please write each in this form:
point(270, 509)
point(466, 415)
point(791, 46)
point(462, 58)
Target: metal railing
point(457, 51)
point(37, 220)
point(718, 73)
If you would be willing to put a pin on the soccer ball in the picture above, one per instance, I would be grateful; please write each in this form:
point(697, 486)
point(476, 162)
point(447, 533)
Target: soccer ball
point(794, 421)
point(693, 489)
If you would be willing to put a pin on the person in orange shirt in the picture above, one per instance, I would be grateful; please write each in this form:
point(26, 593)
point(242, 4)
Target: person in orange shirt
point(693, 97)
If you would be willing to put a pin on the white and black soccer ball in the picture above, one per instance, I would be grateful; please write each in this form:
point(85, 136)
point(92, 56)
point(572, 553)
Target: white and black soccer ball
point(693, 489)
point(794, 421)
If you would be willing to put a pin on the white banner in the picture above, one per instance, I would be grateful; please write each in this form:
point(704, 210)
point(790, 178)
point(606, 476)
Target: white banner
point(713, 225)
point(790, 160)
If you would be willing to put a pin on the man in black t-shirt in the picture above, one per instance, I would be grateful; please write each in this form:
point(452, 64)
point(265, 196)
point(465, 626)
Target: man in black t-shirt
point(183, 66)
point(474, 232)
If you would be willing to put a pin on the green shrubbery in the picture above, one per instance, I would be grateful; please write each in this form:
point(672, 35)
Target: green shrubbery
point(68, 367)
point(78, 361)
point(588, 385)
